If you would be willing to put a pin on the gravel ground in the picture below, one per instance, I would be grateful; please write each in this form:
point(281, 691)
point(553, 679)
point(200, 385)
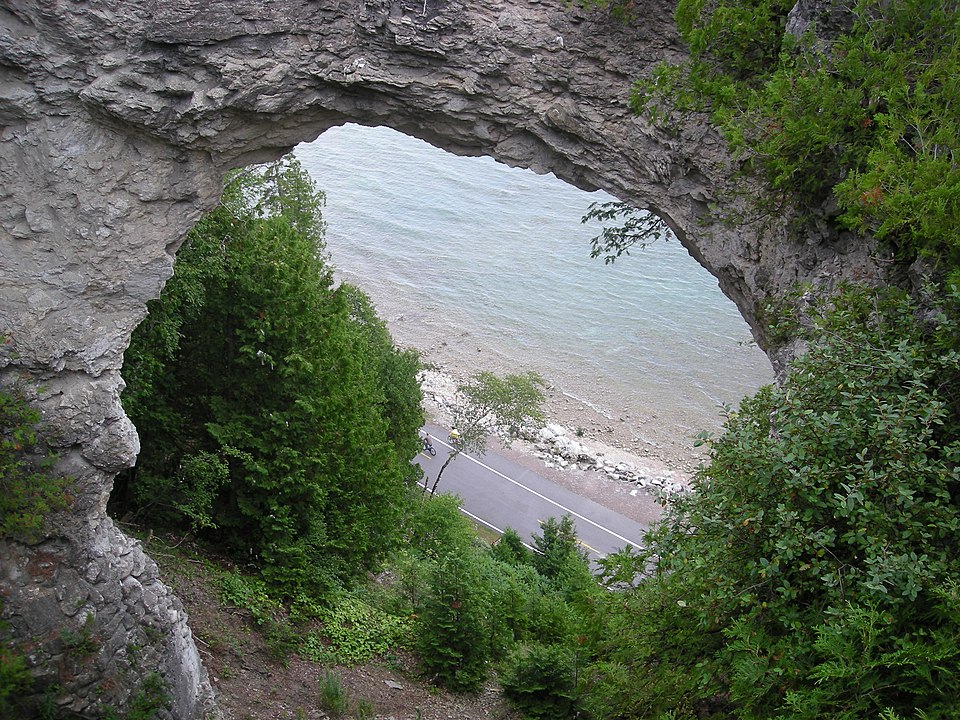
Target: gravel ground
point(252, 683)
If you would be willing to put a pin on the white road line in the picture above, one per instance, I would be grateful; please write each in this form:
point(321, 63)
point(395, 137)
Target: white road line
point(481, 520)
point(544, 497)
point(484, 522)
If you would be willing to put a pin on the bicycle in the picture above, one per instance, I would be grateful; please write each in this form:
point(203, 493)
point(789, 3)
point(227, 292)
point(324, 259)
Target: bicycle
point(429, 448)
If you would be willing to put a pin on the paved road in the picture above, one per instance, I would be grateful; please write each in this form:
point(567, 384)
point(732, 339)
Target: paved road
point(500, 493)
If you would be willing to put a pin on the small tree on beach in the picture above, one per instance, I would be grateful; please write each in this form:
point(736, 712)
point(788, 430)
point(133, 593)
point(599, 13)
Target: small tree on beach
point(487, 403)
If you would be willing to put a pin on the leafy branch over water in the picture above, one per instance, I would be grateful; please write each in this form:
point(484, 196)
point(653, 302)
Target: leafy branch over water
point(634, 228)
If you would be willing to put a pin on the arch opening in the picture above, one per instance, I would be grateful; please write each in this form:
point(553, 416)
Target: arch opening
point(481, 266)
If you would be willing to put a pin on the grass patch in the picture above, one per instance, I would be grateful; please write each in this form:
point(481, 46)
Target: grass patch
point(333, 696)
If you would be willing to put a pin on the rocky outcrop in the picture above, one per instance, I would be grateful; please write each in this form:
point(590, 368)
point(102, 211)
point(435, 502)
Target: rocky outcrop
point(119, 119)
point(93, 617)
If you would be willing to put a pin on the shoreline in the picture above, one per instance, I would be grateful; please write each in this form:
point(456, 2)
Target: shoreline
point(649, 437)
point(654, 430)
point(578, 451)
point(630, 460)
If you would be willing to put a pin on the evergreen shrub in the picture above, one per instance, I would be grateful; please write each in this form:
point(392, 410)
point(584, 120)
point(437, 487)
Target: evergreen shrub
point(540, 680)
point(15, 680)
point(559, 558)
point(451, 637)
point(814, 566)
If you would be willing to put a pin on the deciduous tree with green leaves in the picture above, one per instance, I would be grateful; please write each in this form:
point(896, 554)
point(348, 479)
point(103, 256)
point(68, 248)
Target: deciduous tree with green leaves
point(487, 404)
point(634, 228)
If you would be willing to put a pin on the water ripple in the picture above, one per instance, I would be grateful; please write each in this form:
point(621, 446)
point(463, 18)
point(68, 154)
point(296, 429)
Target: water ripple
point(474, 249)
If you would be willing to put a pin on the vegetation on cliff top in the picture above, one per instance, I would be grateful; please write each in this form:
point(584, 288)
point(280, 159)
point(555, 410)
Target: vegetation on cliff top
point(813, 573)
point(869, 118)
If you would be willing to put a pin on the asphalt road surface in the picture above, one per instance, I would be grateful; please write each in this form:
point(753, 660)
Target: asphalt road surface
point(499, 493)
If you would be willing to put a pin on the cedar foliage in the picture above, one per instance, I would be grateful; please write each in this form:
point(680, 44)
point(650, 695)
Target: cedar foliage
point(541, 681)
point(275, 414)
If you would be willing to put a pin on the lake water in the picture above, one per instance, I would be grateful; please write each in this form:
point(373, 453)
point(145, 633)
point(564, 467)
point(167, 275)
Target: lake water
point(488, 267)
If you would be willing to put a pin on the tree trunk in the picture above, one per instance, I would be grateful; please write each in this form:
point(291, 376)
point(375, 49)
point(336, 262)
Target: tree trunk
point(443, 467)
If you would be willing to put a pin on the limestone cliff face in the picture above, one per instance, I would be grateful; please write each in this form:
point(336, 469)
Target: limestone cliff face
point(118, 120)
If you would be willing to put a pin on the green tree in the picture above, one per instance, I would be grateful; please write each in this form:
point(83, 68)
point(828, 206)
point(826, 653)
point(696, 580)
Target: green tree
point(274, 412)
point(558, 556)
point(541, 680)
point(487, 404)
point(472, 608)
point(392, 369)
point(811, 573)
point(510, 549)
point(438, 528)
point(451, 637)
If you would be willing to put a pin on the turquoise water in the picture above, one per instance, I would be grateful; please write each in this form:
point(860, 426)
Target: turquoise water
point(489, 267)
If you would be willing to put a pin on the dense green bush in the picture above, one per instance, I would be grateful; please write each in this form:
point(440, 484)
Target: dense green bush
point(476, 610)
point(812, 574)
point(735, 36)
point(436, 527)
point(541, 681)
point(473, 604)
point(275, 415)
point(465, 609)
point(814, 567)
point(511, 550)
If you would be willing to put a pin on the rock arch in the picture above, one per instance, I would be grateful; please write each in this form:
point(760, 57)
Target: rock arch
point(119, 120)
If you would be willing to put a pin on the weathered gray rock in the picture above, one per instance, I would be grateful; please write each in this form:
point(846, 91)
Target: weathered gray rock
point(118, 120)
point(822, 20)
point(93, 616)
